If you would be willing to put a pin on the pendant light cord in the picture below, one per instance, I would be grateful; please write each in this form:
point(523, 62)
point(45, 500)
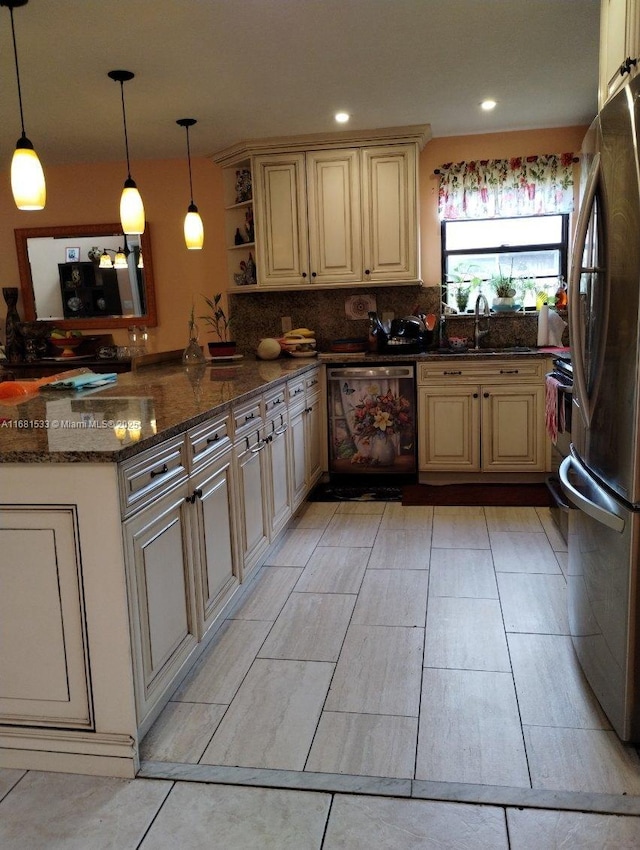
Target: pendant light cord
point(15, 56)
point(126, 137)
point(189, 161)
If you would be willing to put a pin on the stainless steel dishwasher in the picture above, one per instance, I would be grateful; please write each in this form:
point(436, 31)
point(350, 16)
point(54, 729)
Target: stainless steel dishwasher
point(372, 420)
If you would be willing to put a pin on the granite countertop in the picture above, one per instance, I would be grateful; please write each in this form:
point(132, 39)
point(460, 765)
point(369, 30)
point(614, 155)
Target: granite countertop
point(166, 399)
point(97, 425)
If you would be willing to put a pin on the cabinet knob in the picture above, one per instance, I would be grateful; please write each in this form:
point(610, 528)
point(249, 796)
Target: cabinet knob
point(367, 271)
point(485, 395)
point(313, 274)
point(304, 274)
point(197, 494)
point(476, 395)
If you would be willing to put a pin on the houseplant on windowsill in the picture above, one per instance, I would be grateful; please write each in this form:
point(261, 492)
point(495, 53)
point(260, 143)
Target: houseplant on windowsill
point(505, 293)
point(219, 324)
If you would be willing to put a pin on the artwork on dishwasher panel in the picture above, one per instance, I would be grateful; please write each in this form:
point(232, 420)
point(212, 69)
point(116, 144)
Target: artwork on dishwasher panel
point(372, 425)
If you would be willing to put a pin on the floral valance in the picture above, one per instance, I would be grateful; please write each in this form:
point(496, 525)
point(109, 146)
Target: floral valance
point(501, 188)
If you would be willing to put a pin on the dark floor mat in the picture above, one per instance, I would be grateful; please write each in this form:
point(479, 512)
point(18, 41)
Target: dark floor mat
point(334, 493)
point(491, 495)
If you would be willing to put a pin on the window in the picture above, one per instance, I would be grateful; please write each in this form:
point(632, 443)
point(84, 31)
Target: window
point(531, 249)
point(505, 218)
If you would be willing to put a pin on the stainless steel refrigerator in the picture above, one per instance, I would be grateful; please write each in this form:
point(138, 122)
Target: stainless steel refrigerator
point(601, 477)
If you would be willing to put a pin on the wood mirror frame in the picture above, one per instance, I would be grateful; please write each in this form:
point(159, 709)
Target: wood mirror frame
point(22, 235)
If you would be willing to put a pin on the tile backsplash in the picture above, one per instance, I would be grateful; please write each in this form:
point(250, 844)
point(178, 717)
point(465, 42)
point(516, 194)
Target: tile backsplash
point(258, 315)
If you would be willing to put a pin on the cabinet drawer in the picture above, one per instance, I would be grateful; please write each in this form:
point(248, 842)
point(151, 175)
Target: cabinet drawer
point(275, 401)
point(295, 389)
point(312, 381)
point(149, 474)
point(248, 417)
point(466, 371)
point(205, 442)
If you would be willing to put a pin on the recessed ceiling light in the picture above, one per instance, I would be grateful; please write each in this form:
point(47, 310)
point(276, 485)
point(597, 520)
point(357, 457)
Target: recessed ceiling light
point(488, 105)
point(342, 117)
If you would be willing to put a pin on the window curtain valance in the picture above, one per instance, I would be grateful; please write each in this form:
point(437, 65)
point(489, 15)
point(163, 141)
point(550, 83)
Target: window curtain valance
point(502, 188)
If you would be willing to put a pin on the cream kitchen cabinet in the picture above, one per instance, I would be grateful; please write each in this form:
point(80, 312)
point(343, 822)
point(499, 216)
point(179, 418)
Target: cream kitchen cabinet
point(252, 476)
point(213, 519)
point(331, 210)
point(44, 664)
point(309, 218)
point(305, 434)
point(278, 460)
point(482, 417)
point(619, 45)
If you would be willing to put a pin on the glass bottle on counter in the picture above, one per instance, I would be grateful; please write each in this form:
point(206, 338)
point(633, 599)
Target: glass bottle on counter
point(561, 294)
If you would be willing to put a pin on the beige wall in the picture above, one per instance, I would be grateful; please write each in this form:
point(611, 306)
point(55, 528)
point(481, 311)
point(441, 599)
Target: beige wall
point(86, 194)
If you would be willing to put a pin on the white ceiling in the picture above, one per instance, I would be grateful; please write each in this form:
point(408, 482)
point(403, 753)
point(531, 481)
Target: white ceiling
point(254, 68)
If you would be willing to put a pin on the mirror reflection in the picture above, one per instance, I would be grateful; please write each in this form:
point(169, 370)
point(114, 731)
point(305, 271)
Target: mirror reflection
point(86, 276)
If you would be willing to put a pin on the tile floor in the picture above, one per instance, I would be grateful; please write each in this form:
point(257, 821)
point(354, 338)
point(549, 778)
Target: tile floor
point(396, 677)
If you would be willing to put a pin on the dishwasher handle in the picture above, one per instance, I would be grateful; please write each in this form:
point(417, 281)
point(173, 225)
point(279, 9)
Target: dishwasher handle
point(371, 372)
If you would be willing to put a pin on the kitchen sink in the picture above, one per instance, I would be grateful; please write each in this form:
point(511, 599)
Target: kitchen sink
point(514, 349)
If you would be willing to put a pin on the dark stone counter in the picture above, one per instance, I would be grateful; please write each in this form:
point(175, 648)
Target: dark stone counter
point(140, 410)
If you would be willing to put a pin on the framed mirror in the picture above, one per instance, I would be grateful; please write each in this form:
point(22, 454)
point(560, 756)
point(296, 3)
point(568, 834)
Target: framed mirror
point(63, 280)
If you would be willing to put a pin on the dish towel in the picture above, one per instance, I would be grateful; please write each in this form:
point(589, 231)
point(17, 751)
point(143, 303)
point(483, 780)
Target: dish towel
point(83, 382)
point(552, 404)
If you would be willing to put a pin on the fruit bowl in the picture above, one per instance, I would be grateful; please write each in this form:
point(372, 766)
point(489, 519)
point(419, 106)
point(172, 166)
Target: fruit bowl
point(67, 344)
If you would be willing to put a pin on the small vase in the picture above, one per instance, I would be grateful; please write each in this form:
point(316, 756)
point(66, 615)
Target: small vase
point(383, 451)
point(193, 353)
point(13, 340)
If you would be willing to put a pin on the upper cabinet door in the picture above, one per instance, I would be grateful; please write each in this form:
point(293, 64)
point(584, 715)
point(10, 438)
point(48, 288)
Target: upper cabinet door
point(281, 219)
point(390, 213)
point(619, 42)
point(333, 207)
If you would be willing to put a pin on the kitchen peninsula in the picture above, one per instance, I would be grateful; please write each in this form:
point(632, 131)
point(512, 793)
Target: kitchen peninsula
point(130, 516)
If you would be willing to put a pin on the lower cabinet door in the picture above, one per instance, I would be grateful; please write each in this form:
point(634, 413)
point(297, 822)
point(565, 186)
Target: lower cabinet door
point(216, 564)
point(297, 453)
point(513, 436)
point(313, 438)
point(449, 429)
point(44, 669)
point(161, 595)
point(251, 469)
point(279, 485)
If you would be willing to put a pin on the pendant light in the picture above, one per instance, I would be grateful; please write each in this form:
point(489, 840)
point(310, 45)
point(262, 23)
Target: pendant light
point(27, 177)
point(131, 206)
point(193, 227)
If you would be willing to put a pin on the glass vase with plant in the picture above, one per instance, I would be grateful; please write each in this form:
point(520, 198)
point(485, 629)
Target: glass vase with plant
point(220, 325)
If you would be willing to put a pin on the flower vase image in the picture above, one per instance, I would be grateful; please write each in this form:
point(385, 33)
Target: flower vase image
point(383, 450)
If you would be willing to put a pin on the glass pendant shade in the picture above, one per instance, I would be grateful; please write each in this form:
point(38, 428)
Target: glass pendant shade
point(193, 229)
point(131, 209)
point(27, 177)
point(120, 260)
point(105, 261)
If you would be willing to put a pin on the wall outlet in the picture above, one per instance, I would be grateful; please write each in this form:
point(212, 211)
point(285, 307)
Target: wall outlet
point(285, 321)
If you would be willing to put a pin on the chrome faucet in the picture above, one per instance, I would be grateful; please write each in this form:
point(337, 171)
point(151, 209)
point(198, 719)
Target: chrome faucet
point(481, 304)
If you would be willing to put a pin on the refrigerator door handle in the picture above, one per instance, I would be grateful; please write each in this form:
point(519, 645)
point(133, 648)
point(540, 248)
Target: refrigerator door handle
point(574, 289)
point(604, 511)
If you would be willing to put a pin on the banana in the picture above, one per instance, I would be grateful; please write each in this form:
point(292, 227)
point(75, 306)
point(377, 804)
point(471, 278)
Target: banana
point(300, 332)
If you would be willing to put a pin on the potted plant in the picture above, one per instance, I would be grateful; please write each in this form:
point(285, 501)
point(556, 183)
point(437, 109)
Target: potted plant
point(219, 324)
point(505, 292)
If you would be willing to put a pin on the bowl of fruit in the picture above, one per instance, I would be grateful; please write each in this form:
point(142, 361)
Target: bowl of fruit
point(67, 343)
